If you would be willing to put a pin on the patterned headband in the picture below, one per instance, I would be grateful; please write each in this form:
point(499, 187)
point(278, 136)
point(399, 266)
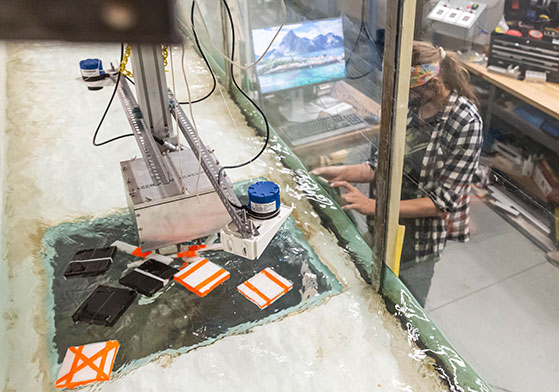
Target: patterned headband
point(421, 74)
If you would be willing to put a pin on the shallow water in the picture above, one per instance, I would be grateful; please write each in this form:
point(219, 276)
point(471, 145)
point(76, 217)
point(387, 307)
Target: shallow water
point(175, 319)
point(55, 176)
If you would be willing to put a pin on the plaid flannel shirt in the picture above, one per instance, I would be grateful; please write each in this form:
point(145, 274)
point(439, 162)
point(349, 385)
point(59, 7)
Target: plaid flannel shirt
point(450, 161)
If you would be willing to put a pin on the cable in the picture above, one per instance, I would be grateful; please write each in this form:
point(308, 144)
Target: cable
point(362, 28)
point(230, 60)
point(107, 110)
point(232, 63)
point(214, 81)
point(130, 80)
point(199, 145)
point(233, 41)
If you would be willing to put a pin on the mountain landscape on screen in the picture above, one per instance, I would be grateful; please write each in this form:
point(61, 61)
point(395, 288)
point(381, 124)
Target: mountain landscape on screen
point(291, 44)
point(303, 53)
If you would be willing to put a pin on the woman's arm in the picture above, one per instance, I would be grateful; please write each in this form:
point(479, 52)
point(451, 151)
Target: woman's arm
point(351, 173)
point(419, 208)
point(414, 208)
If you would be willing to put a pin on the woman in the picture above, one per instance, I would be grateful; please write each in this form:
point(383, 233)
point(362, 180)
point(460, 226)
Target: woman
point(443, 144)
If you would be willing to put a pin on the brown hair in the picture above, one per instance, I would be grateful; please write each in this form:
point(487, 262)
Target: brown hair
point(452, 74)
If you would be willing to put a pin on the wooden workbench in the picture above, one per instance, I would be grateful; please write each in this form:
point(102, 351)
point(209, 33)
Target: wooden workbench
point(544, 96)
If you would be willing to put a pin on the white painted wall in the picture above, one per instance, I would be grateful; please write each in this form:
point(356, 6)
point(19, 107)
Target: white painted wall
point(3, 266)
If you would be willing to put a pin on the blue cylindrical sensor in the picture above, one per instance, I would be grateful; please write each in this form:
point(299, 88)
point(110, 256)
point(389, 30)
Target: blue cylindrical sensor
point(264, 199)
point(92, 73)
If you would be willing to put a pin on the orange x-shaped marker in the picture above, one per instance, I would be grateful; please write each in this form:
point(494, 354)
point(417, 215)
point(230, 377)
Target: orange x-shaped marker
point(66, 380)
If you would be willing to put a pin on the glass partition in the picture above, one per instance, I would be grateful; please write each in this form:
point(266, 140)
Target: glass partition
point(319, 88)
point(321, 72)
point(289, 99)
point(478, 188)
point(324, 69)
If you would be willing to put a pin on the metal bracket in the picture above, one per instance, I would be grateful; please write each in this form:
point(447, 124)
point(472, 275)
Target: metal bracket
point(153, 159)
point(211, 168)
point(151, 88)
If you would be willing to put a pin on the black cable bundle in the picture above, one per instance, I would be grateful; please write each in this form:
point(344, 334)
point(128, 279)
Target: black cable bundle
point(362, 30)
point(108, 107)
point(230, 17)
point(214, 81)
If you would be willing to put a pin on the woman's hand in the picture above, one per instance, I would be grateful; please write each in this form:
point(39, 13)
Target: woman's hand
point(356, 200)
point(350, 173)
point(332, 173)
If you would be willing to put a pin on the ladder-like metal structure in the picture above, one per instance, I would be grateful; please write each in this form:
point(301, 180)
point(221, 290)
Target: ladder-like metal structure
point(212, 169)
point(148, 121)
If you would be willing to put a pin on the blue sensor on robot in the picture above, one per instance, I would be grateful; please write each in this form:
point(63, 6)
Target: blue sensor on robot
point(92, 73)
point(91, 64)
point(264, 199)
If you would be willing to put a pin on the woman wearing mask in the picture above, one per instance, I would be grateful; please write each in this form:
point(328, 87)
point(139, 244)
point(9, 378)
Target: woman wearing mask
point(443, 144)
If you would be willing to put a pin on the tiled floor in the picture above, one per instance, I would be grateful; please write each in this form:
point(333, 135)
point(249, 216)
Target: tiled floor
point(497, 300)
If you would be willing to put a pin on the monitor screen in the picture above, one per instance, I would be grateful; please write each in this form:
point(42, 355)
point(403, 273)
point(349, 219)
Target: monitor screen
point(302, 54)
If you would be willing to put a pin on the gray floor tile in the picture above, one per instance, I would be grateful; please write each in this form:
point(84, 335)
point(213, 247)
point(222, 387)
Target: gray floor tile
point(496, 252)
point(484, 222)
point(508, 332)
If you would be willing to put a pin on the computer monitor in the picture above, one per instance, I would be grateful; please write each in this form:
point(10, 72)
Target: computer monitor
point(304, 53)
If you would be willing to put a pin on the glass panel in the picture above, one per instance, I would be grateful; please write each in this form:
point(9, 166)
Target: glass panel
point(212, 25)
point(325, 328)
point(480, 166)
point(319, 84)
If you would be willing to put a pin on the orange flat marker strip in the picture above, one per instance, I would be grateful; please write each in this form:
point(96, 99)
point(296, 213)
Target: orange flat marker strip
point(277, 296)
point(71, 373)
point(88, 361)
point(218, 282)
point(276, 280)
point(194, 268)
point(208, 280)
point(188, 253)
point(260, 294)
point(138, 253)
point(102, 365)
point(191, 251)
point(200, 294)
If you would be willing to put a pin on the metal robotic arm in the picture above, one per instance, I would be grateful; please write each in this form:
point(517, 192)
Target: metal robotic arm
point(161, 185)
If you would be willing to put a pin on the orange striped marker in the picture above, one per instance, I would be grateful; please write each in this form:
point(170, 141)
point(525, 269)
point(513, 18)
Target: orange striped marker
point(265, 288)
point(202, 277)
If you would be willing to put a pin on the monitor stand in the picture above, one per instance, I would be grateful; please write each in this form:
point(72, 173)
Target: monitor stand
point(294, 108)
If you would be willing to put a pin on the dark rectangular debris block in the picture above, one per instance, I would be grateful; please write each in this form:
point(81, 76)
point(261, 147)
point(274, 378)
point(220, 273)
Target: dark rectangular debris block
point(104, 306)
point(148, 278)
point(90, 262)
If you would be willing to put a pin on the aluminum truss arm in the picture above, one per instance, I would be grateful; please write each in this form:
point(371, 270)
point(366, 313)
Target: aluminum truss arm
point(157, 167)
point(211, 168)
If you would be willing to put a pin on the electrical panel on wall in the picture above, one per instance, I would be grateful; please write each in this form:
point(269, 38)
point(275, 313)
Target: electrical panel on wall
point(459, 19)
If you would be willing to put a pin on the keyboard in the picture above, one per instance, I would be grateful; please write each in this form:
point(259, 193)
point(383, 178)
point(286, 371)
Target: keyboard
point(322, 128)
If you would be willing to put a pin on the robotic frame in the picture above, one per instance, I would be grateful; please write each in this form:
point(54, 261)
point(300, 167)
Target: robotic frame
point(171, 200)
